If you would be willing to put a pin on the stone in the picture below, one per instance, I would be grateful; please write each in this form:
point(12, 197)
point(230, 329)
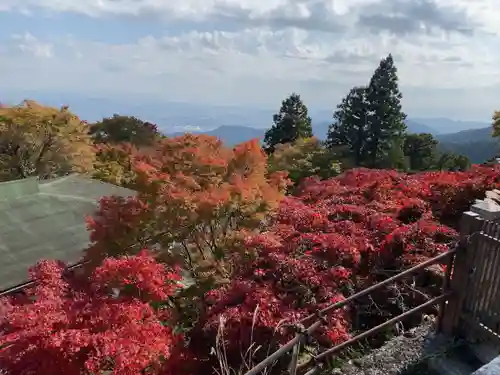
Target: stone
point(492, 368)
point(487, 208)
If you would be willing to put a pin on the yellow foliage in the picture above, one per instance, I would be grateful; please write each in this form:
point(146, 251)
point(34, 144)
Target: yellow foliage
point(36, 140)
point(303, 158)
point(114, 164)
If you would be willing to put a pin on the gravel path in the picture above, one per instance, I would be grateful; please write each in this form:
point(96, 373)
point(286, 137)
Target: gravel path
point(403, 355)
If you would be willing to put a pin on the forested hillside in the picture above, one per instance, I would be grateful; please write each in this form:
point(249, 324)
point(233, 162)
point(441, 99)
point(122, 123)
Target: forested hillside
point(477, 144)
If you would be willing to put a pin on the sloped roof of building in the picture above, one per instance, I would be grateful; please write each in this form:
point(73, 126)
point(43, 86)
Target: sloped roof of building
point(46, 220)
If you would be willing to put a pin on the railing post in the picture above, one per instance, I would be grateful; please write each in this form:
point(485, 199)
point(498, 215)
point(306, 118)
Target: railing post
point(292, 368)
point(470, 223)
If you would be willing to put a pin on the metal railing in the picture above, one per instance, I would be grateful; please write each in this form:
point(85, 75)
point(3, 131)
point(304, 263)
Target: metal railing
point(459, 258)
point(316, 361)
point(28, 284)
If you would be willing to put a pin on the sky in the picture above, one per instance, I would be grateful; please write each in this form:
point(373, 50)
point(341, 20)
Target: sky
point(253, 53)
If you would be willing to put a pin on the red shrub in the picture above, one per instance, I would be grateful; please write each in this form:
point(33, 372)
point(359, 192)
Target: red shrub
point(334, 238)
point(331, 239)
point(64, 328)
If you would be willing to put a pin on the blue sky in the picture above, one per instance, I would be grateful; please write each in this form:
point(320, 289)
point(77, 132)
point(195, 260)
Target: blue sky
point(254, 52)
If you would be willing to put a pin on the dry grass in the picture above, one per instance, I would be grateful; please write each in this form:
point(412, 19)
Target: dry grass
point(247, 356)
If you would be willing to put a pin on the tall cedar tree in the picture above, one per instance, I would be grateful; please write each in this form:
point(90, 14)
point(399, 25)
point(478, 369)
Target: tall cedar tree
point(496, 128)
point(291, 123)
point(350, 126)
point(124, 129)
point(386, 126)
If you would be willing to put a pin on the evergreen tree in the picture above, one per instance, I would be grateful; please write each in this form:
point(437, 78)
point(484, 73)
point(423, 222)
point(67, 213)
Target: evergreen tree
point(395, 157)
point(350, 126)
point(386, 127)
point(119, 129)
point(452, 162)
point(421, 151)
point(462, 163)
point(291, 123)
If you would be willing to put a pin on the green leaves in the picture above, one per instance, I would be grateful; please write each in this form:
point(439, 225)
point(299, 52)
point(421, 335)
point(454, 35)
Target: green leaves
point(304, 158)
point(420, 149)
point(128, 129)
point(291, 123)
point(370, 121)
point(350, 125)
point(385, 120)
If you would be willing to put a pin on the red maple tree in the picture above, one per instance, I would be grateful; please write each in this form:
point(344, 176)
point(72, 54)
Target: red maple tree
point(195, 193)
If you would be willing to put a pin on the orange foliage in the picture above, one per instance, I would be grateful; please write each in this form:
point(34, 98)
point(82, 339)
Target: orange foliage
point(195, 196)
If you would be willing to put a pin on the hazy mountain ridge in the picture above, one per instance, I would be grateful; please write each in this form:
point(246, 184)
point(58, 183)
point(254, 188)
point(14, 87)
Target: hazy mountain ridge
point(230, 134)
point(449, 126)
point(237, 124)
point(476, 144)
point(176, 116)
point(469, 135)
point(234, 134)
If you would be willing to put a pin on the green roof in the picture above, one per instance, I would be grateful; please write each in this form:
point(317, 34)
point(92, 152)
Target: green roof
point(46, 220)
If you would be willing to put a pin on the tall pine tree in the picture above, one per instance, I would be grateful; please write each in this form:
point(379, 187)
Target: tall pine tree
point(386, 126)
point(349, 128)
point(291, 123)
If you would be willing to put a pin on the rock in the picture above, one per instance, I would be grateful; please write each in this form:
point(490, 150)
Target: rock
point(410, 334)
point(396, 355)
point(493, 196)
point(435, 271)
point(492, 368)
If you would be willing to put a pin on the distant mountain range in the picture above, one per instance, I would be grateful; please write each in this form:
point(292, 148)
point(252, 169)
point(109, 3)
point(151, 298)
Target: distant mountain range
point(476, 144)
point(236, 124)
point(233, 134)
point(174, 117)
point(230, 134)
point(469, 135)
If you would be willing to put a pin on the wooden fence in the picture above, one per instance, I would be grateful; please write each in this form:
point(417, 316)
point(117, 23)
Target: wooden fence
point(316, 363)
point(469, 301)
point(474, 313)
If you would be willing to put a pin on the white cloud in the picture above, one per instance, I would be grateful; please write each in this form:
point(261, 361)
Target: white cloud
point(256, 51)
point(30, 45)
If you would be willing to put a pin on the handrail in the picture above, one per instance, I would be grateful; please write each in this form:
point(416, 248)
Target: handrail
point(370, 289)
point(375, 329)
point(319, 314)
point(30, 283)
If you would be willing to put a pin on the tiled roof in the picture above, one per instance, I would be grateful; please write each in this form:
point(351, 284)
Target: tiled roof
point(46, 220)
